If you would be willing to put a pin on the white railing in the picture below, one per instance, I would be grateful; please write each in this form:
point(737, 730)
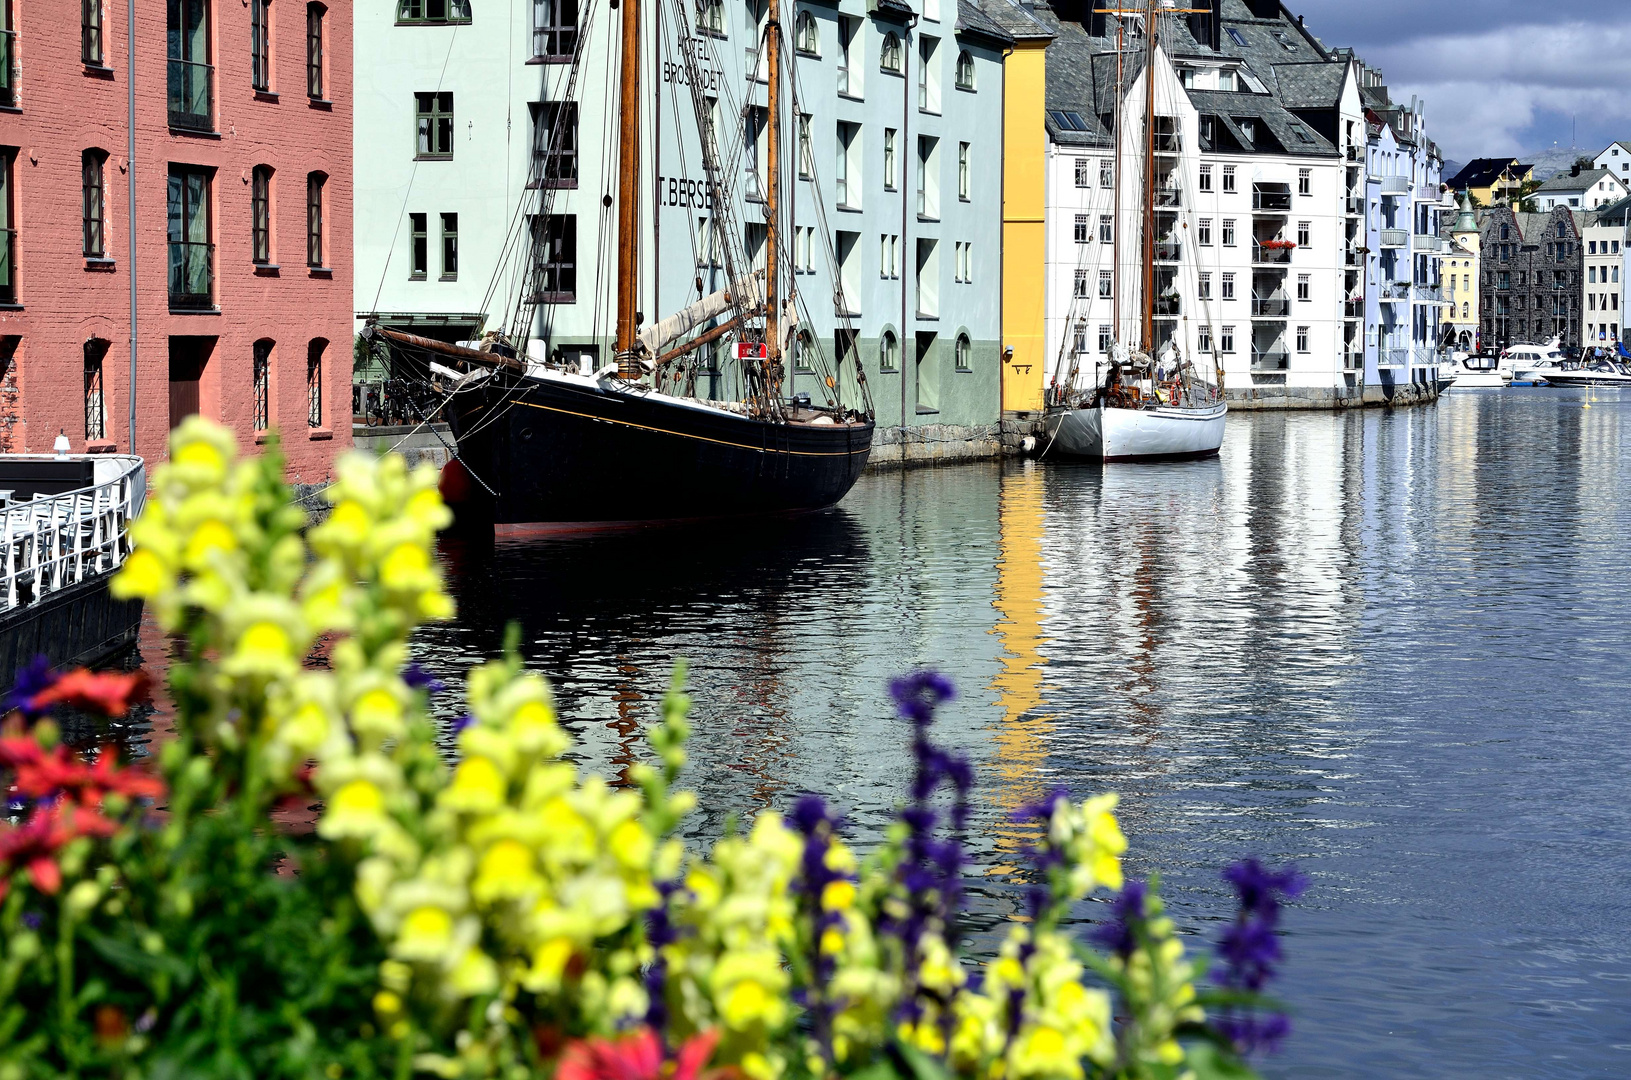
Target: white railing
point(50, 543)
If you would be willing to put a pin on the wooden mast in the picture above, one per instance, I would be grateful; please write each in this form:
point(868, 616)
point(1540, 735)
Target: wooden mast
point(1149, 178)
point(628, 191)
point(773, 185)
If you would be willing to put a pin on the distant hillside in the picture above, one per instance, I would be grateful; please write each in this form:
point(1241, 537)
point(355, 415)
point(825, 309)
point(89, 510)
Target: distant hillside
point(1452, 167)
point(1548, 163)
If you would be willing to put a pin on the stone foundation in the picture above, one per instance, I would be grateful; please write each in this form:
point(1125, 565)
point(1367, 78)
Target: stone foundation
point(1269, 398)
point(933, 444)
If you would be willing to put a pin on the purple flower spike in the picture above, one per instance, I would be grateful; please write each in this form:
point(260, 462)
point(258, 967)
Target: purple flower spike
point(1250, 950)
point(919, 694)
point(418, 678)
point(31, 680)
point(1118, 934)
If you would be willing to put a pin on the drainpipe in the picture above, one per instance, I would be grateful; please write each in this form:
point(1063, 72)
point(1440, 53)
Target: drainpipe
point(908, 48)
point(130, 227)
point(1002, 241)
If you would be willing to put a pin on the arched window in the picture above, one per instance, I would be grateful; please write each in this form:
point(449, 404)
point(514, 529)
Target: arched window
point(965, 71)
point(260, 194)
point(314, 218)
point(314, 382)
point(889, 55)
point(1466, 311)
point(888, 351)
point(261, 383)
point(965, 353)
point(95, 203)
point(95, 350)
point(807, 37)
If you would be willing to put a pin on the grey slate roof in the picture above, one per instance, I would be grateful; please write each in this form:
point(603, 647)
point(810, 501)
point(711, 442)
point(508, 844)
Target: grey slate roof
point(972, 20)
point(1613, 213)
point(1017, 21)
point(1566, 182)
point(1296, 71)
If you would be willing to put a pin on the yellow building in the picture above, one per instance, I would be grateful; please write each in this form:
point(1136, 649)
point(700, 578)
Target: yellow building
point(1024, 197)
point(1491, 180)
point(1460, 277)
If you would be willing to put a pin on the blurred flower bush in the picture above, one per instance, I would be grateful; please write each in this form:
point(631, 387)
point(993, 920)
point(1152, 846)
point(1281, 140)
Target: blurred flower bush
point(505, 915)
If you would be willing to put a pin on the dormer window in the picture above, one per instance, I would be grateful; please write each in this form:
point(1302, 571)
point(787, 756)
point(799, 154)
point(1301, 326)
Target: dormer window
point(1248, 128)
point(1226, 81)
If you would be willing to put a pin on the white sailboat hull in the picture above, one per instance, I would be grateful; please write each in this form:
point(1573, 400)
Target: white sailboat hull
point(1107, 434)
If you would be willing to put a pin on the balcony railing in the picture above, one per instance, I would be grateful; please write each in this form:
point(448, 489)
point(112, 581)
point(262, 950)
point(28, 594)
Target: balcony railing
point(1353, 308)
point(192, 275)
point(1426, 243)
point(1168, 250)
point(1270, 360)
point(1270, 307)
point(1168, 305)
point(1425, 356)
point(8, 266)
point(192, 95)
point(1395, 185)
point(1396, 358)
point(1167, 142)
point(8, 77)
point(1168, 197)
point(1353, 258)
point(1394, 290)
point(1356, 153)
point(1394, 238)
point(1267, 256)
point(1277, 202)
point(1429, 294)
point(1353, 359)
point(1355, 206)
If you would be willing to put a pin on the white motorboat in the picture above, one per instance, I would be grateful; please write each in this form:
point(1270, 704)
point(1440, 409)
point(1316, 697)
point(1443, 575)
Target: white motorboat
point(1593, 373)
point(1533, 365)
point(1474, 371)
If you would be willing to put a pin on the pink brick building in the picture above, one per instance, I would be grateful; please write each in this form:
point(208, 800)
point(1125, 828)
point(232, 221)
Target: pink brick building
point(242, 223)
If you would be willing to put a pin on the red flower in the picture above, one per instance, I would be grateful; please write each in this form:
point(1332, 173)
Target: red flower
point(44, 773)
point(107, 692)
point(636, 1056)
point(33, 845)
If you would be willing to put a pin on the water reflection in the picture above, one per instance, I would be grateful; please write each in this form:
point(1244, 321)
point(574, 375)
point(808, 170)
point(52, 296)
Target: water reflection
point(1388, 645)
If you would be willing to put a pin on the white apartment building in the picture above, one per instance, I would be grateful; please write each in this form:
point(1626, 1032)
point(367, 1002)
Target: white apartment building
point(1616, 158)
point(1255, 126)
point(1602, 310)
point(1582, 189)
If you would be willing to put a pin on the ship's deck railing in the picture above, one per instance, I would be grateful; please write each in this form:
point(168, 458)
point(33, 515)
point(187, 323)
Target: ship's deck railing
point(50, 543)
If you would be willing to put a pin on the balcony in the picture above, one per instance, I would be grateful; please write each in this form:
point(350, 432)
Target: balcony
point(1353, 359)
point(1428, 294)
point(1169, 197)
point(1353, 257)
point(8, 76)
point(192, 96)
point(1169, 305)
point(1356, 153)
point(1270, 256)
point(1168, 142)
point(1426, 243)
point(8, 266)
point(1270, 360)
point(1270, 307)
point(192, 275)
point(1353, 307)
point(1168, 251)
point(1394, 290)
point(1395, 238)
point(1395, 358)
point(1270, 201)
point(1395, 185)
point(1355, 206)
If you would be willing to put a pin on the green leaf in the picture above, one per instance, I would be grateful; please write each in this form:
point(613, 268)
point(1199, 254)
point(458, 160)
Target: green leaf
point(1210, 1062)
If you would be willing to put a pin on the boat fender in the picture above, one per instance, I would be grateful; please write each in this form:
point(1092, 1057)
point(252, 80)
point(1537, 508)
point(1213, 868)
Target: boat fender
point(454, 483)
point(1028, 444)
point(822, 421)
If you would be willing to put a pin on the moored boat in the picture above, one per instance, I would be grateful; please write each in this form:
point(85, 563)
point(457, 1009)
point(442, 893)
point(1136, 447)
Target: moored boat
point(1158, 433)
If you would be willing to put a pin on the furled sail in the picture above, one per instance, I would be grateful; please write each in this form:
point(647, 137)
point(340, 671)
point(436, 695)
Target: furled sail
point(749, 294)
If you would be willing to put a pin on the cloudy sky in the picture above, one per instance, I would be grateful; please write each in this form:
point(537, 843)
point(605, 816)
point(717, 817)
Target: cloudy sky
point(1498, 76)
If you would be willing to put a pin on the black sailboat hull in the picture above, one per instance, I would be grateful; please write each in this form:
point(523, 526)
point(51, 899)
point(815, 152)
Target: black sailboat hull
point(573, 451)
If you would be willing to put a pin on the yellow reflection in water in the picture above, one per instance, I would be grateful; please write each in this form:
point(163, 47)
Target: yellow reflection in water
point(1021, 735)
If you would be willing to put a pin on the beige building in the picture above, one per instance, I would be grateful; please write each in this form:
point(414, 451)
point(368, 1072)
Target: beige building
point(1602, 233)
point(1460, 276)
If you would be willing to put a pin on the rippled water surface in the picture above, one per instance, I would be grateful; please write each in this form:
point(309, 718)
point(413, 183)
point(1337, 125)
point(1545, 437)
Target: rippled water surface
point(1390, 646)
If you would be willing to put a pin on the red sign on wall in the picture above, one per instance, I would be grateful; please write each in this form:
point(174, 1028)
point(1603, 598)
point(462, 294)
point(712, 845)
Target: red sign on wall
point(748, 350)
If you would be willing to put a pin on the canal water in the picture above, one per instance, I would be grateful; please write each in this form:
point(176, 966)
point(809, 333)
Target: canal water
point(1390, 647)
